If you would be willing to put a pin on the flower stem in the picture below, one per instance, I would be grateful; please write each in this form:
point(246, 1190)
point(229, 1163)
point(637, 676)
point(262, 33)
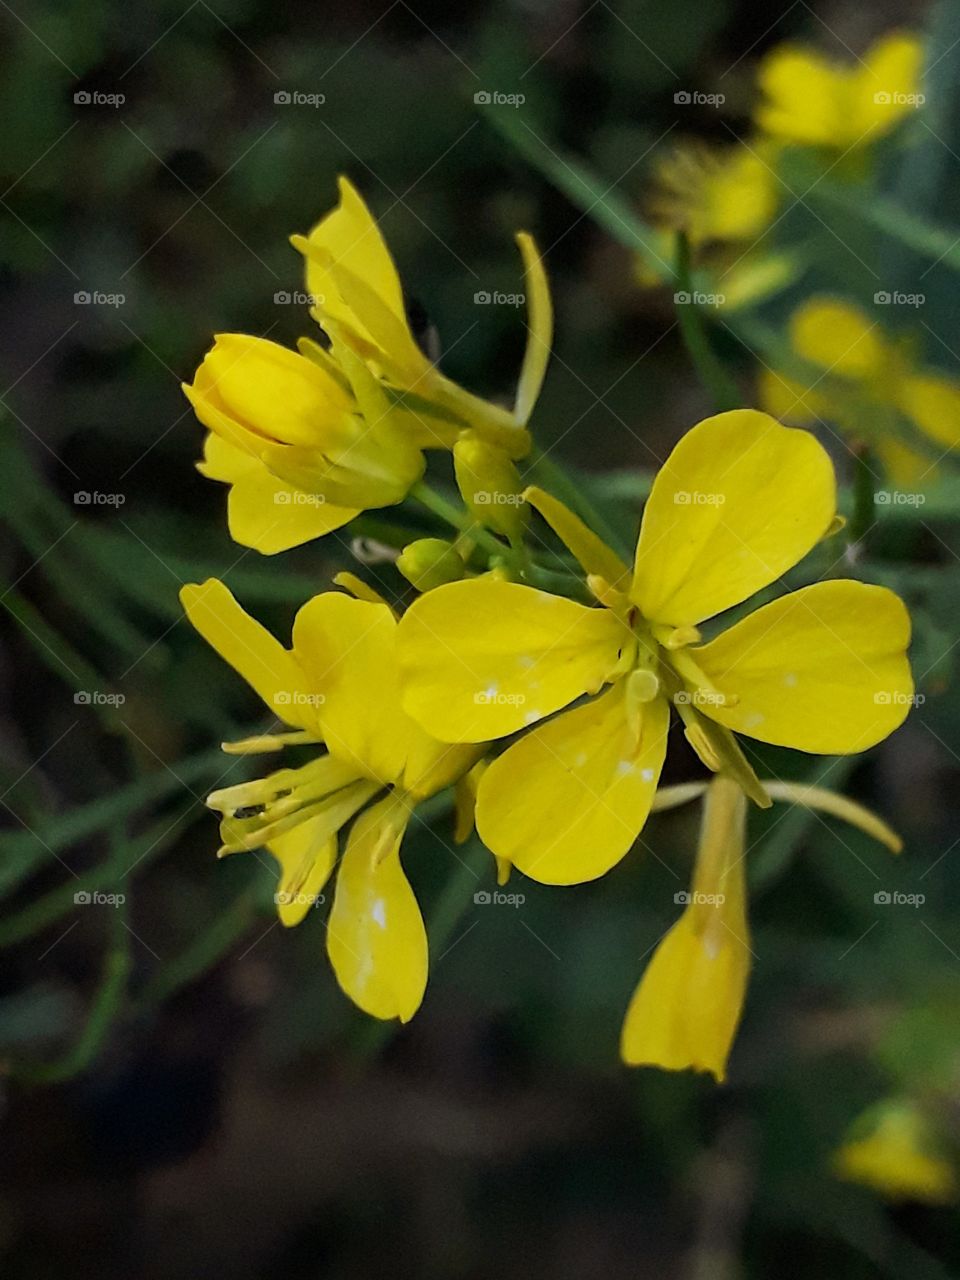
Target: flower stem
point(863, 500)
point(710, 370)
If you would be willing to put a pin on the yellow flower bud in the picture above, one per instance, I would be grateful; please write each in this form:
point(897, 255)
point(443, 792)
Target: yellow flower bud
point(430, 562)
point(491, 487)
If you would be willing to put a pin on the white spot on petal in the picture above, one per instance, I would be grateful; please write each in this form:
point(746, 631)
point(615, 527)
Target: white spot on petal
point(647, 775)
point(790, 679)
point(754, 719)
point(379, 913)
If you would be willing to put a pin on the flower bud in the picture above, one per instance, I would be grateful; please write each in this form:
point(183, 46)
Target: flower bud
point(491, 487)
point(430, 562)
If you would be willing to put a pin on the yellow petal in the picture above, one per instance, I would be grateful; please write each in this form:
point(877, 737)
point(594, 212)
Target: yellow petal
point(348, 649)
point(566, 802)
point(838, 336)
point(823, 669)
point(804, 96)
point(276, 393)
point(252, 651)
point(349, 235)
point(934, 405)
point(306, 855)
point(263, 512)
point(721, 521)
point(685, 1011)
point(894, 1149)
point(482, 658)
point(591, 553)
point(887, 83)
point(539, 329)
point(375, 938)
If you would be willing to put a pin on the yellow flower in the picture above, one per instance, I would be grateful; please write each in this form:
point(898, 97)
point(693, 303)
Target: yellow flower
point(812, 101)
point(685, 1011)
point(870, 385)
point(304, 442)
point(359, 297)
point(739, 501)
point(338, 685)
point(716, 193)
point(893, 1149)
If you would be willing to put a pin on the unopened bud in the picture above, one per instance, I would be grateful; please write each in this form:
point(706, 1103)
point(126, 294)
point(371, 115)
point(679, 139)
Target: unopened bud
point(491, 486)
point(429, 563)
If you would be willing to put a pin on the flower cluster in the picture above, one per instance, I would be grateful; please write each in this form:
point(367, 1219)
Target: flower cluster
point(541, 689)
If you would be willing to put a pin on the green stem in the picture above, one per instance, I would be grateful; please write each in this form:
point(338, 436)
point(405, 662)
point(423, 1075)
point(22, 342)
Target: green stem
point(458, 519)
point(710, 370)
point(863, 496)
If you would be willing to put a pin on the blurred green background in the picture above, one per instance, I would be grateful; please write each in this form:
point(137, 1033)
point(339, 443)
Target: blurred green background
point(185, 1090)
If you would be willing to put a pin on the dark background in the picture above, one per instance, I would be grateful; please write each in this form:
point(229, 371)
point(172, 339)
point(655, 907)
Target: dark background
point(187, 1092)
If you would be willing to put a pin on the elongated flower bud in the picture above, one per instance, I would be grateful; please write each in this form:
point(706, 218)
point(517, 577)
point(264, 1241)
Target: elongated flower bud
point(491, 487)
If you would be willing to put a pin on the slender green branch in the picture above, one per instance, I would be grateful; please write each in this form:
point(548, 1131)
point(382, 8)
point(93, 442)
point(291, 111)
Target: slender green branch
point(705, 360)
point(863, 497)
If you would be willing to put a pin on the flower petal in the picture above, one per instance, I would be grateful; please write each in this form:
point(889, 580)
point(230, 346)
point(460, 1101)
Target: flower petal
point(839, 337)
point(252, 651)
point(262, 511)
point(739, 501)
point(566, 802)
point(348, 649)
point(823, 669)
point(306, 855)
point(375, 937)
point(934, 405)
point(482, 658)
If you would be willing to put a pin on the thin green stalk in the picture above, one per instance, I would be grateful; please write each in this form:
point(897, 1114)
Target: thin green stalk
point(710, 370)
point(862, 518)
point(458, 519)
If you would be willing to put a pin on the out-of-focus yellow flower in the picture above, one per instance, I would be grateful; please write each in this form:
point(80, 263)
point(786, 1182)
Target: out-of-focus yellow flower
point(740, 500)
point(358, 295)
point(303, 447)
point(893, 1150)
point(812, 101)
point(716, 193)
point(685, 1012)
point(338, 685)
point(871, 385)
